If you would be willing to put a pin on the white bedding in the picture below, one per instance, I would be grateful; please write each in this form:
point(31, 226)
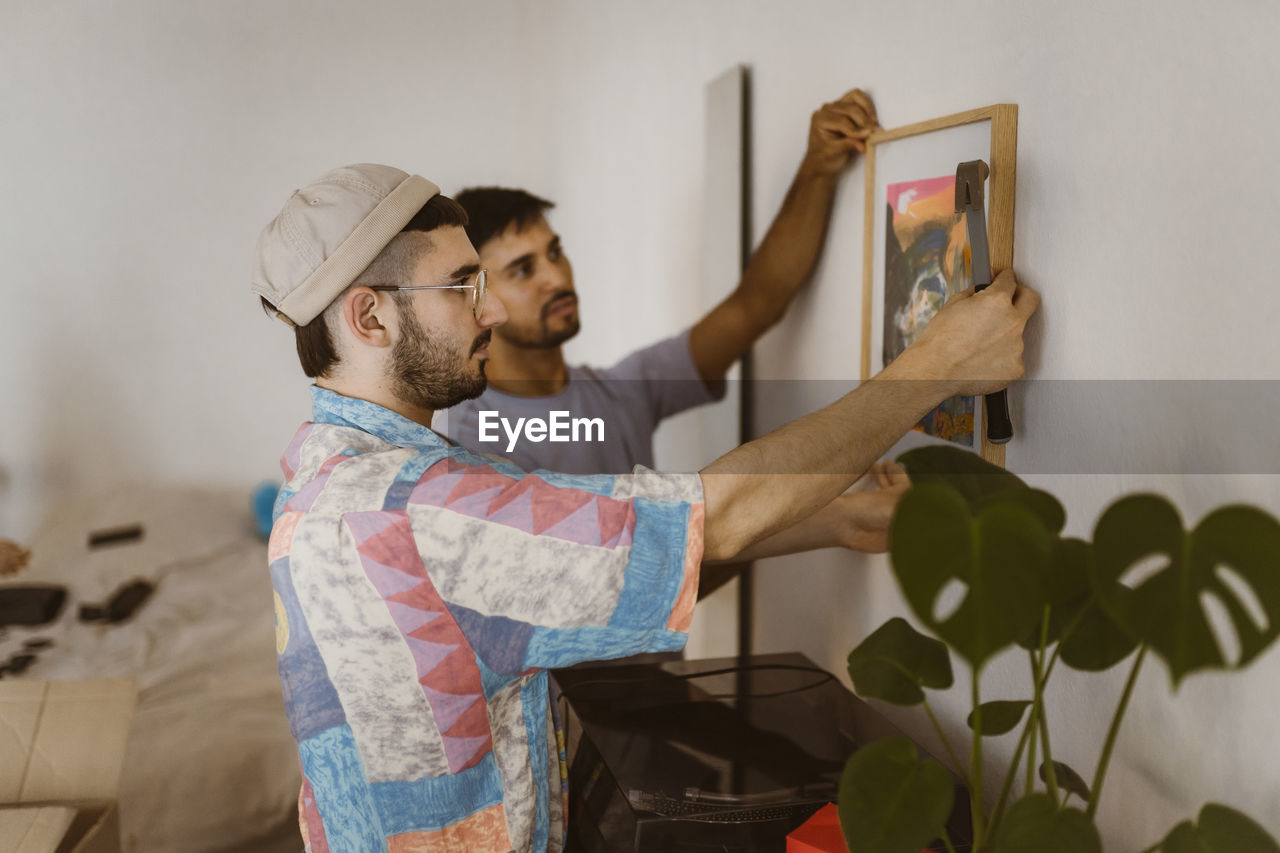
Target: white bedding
point(210, 765)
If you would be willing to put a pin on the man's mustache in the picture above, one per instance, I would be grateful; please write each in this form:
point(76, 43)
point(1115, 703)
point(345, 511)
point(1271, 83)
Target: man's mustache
point(481, 340)
point(555, 301)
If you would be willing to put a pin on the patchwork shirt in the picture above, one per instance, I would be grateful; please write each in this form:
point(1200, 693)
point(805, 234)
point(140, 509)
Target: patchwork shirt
point(421, 593)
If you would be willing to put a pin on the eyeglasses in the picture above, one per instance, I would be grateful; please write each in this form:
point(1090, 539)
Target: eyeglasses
point(478, 290)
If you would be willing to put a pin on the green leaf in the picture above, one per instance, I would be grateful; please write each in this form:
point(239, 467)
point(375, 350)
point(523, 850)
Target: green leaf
point(968, 473)
point(1041, 504)
point(1035, 825)
point(1091, 640)
point(980, 482)
point(1165, 610)
point(1000, 557)
point(1097, 643)
point(1068, 780)
point(891, 803)
point(1068, 590)
point(1220, 830)
point(1000, 716)
point(896, 661)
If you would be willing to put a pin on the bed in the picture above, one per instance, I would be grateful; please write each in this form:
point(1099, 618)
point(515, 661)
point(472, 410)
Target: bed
point(210, 765)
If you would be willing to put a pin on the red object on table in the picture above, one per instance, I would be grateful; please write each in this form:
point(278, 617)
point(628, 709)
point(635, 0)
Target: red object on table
point(821, 834)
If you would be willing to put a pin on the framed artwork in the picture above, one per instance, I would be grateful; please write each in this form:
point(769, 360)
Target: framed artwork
point(915, 252)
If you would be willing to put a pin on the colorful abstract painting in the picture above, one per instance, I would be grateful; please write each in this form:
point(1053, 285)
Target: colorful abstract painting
point(925, 245)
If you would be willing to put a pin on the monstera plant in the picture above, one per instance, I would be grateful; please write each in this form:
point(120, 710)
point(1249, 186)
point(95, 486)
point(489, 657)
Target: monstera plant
point(970, 531)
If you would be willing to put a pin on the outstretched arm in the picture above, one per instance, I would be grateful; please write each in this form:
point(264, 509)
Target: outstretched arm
point(972, 346)
point(789, 251)
point(858, 521)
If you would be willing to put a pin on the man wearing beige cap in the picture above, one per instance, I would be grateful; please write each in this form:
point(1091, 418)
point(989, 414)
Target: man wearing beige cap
point(422, 591)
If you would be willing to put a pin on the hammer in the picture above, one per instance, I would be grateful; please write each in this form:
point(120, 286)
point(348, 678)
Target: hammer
point(970, 180)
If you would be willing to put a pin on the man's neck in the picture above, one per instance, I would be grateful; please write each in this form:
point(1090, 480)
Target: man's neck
point(525, 372)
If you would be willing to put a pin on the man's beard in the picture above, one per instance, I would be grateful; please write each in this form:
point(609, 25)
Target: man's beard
point(427, 374)
point(542, 337)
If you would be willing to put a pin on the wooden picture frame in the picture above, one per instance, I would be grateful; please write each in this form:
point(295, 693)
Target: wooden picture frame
point(917, 157)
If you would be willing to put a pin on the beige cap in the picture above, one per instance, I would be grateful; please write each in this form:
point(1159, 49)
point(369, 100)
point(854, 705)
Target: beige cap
point(329, 232)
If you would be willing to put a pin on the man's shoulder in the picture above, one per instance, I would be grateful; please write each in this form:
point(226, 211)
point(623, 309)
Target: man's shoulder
point(338, 473)
point(660, 359)
point(326, 440)
point(319, 449)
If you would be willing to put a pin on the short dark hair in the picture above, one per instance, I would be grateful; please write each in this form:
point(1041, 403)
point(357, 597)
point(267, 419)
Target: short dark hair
point(316, 351)
point(492, 210)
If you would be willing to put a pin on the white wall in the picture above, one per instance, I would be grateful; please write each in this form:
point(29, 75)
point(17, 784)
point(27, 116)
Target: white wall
point(147, 143)
point(1147, 190)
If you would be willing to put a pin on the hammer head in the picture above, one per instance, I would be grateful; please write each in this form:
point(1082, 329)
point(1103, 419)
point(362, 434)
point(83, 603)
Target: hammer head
point(971, 177)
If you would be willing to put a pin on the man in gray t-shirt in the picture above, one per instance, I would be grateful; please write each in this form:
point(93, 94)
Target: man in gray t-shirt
point(540, 412)
point(620, 405)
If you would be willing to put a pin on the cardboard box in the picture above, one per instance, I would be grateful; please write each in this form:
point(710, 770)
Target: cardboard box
point(62, 745)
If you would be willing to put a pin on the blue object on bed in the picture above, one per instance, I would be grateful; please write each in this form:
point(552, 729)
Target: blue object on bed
point(262, 501)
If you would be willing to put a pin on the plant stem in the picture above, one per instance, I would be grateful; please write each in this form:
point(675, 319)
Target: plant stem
point(1042, 724)
point(1095, 792)
point(1037, 687)
point(1062, 638)
point(946, 839)
point(1048, 670)
point(1050, 772)
point(1013, 771)
point(1033, 723)
point(975, 766)
point(946, 742)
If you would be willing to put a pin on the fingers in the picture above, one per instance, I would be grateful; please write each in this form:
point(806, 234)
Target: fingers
point(854, 113)
point(859, 116)
point(861, 101)
point(840, 124)
point(852, 116)
point(840, 128)
point(890, 474)
point(1026, 301)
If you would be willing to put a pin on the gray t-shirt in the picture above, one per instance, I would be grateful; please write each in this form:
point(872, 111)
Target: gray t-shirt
point(602, 422)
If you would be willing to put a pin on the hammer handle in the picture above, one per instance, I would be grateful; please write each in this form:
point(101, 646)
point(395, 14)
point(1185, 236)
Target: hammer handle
point(999, 426)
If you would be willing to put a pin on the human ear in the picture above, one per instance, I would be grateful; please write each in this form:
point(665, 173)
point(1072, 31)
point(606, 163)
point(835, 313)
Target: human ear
point(365, 311)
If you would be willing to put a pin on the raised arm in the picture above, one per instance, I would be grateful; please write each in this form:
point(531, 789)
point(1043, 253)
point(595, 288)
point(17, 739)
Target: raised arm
point(789, 251)
point(972, 346)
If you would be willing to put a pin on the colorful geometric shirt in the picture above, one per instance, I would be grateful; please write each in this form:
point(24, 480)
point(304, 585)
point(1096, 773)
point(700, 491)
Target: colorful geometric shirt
point(421, 593)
